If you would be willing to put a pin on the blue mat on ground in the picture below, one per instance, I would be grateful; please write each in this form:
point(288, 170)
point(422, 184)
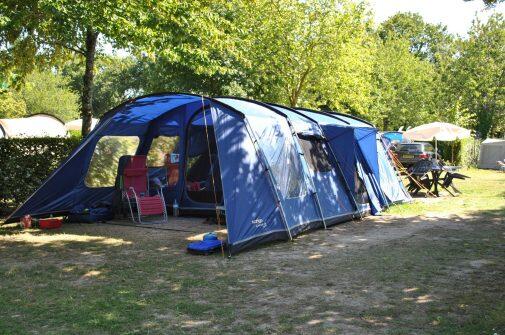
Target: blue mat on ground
point(209, 245)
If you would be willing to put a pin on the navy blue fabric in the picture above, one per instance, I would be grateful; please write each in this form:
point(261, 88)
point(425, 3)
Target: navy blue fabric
point(65, 187)
point(367, 142)
point(356, 151)
point(279, 147)
point(252, 212)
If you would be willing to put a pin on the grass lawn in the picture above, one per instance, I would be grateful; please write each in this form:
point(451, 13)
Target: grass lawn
point(435, 266)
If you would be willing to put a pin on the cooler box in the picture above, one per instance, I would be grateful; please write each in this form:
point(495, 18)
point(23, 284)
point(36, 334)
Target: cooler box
point(51, 223)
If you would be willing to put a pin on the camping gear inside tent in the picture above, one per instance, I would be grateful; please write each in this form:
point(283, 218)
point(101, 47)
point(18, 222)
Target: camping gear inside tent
point(38, 125)
point(77, 124)
point(437, 131)
point(230, 155)
point(492, 151)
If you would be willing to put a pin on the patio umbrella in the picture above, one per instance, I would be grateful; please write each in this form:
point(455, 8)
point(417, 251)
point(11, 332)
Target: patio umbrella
point(77, 124)
point(437, 131)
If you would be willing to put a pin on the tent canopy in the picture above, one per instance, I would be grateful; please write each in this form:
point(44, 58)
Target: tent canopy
point(440, 131)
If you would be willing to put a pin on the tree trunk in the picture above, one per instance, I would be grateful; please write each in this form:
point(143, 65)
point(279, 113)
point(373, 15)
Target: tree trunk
point(87, 89)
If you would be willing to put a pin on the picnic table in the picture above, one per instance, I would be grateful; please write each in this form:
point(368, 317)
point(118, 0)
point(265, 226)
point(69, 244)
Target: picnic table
point(432, 174)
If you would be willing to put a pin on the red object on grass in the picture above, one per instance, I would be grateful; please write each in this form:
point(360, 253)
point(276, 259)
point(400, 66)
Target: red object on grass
point(135, 186)
point(51, 223)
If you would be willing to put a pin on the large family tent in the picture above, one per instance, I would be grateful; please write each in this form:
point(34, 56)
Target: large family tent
point(254, 165)
point(273, 171)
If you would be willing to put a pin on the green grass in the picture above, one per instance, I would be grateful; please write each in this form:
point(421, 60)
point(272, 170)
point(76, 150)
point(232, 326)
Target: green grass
point(439, 274)
point(484, 191)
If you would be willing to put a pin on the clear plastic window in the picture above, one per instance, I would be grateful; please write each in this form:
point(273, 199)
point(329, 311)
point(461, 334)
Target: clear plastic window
point(102, 170)
point(162, 150)
point(277, 143)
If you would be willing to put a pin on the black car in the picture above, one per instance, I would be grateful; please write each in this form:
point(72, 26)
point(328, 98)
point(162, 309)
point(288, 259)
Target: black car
point(410, 153)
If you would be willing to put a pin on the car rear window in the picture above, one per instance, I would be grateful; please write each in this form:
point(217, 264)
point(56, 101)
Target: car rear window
point(411, 147)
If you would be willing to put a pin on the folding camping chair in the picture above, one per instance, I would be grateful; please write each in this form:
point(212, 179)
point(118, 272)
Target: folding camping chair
point(135, 190)
point(419, 177)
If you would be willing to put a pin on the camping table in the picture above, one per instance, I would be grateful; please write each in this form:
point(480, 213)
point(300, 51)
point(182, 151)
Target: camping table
point(436, 172)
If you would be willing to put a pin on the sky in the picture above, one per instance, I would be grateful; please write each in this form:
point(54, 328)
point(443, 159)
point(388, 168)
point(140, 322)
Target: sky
point(457, 15)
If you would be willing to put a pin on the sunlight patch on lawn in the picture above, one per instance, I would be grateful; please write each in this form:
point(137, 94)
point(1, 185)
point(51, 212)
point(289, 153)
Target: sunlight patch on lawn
point(61, 239)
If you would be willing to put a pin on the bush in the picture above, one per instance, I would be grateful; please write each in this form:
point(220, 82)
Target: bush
point(461, 152)
point(26, 162)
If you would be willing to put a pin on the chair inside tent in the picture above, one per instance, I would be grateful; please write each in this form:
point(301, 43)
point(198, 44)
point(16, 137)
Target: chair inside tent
point(274, 172)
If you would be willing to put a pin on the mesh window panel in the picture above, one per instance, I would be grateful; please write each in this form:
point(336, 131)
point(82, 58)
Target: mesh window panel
point(102, 170)
point(315, 155)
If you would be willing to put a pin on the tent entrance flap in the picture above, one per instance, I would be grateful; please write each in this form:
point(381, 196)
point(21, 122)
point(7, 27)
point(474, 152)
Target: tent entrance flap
point(202, 175)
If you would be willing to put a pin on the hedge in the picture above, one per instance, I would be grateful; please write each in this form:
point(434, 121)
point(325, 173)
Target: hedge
point(26, 162)
point(461, 152)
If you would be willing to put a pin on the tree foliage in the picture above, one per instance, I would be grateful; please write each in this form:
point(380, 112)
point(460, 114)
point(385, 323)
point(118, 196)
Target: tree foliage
point(44, 31)
point(313, 53)
point(47, 92)
point(477, 76)
point(305, 52)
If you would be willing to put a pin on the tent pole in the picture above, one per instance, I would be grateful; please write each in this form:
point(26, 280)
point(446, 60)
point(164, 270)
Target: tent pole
point(262, 157)
point(436, 150)
point(218, 214)
point(307, 173)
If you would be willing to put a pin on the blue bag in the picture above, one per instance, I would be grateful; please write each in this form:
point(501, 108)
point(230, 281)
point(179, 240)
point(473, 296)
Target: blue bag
point(204, 247)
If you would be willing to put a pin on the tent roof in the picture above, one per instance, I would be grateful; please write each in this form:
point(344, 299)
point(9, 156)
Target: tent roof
point(323, 118)
point(38, 125)
point(494, 141)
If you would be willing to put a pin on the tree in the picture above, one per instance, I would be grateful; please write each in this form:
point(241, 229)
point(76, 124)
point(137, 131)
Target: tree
point(44, 31)
point(490, 3)
point(427, 41)
point(47, 92)
point(404, 87)
point(309, 53)
point(12, 104)
point(476, 78)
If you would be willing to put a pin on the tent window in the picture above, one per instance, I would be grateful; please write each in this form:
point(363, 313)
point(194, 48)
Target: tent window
point(279, 148)
point(103, 167)
point(315, 155)
point(161, 149)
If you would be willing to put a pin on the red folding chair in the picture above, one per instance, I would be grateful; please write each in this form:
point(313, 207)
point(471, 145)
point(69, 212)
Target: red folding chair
point(135, 189)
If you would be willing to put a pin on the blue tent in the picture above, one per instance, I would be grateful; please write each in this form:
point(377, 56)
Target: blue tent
point(269, 168)
point(354, 142)
point(274, 171)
